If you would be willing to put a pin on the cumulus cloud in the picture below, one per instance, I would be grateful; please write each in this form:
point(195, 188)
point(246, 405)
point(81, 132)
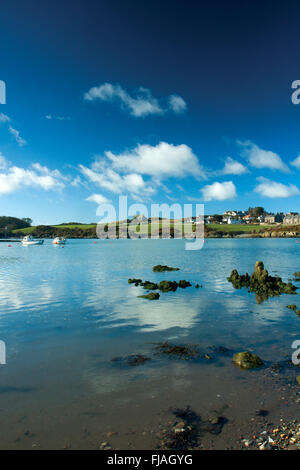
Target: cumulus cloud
point(143, 103)
point(296, 163)
point(114, 182)
point(98, 199)
point(126, 172)
point(233, 167)
point(177, 104)
point(161, 161)
point(272, 189)
point(15, 178)
point(260, 158)
point(219, 191)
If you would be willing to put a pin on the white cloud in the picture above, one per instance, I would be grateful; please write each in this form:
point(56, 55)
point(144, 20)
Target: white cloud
point(272, 189)
point(161, 161)
point(15, 178)
point(233, 167)
point(177, 104)
point(3, 162)
point(125, 172)
point(49, 117)
point(116, 183)
point(45, 171)
point(260, 158)
point(98, 199)
point(77, 182)
point(4, 118)
point(140, 105)
point(219, 191)
point(296, 163)
point(16, 134)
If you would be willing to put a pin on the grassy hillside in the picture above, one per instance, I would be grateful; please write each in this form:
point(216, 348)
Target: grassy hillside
point(83, 226)
point(89, 230)
point(29, 230)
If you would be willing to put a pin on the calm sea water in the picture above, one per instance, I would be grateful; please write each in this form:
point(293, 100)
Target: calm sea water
point(66, 312)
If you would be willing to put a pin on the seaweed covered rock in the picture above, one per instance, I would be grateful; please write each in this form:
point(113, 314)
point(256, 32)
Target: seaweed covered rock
point(247, 360)
point(187, 352)
point(159, 268)
point(168, 286)
point(294, 308)
point(183, 284)
point(261, 283)
point(132, 360)
point(151, 296)
point(135, 281)
point(149, 285)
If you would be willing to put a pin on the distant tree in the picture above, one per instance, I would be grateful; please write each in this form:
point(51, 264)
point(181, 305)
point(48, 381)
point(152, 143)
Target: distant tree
point(217, 218)
point(27, 220)
point(256, 211)
point(12, 223)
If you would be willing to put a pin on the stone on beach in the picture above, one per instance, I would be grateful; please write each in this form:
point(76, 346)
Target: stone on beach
point(247, 360)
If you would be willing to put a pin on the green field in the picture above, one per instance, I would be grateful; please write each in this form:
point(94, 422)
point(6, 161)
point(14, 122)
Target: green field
point(84, 226)
point(26, 231)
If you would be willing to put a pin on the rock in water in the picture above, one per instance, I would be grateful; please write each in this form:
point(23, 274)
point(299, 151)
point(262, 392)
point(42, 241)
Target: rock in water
point(183, 284)
point(149, 285)
point(151, 296)
point(292, 307)
point(261, 283)
point(168, 286)
point(159, 268)
point(247, 360)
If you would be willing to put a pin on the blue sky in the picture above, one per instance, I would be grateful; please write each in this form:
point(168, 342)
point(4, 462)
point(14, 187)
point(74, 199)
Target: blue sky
point(161, 101)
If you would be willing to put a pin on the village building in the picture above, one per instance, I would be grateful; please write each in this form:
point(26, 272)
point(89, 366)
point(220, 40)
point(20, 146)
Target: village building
point(274, 219)
point(292, 219)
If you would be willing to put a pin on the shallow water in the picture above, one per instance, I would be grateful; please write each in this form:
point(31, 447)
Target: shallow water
point(66, 312)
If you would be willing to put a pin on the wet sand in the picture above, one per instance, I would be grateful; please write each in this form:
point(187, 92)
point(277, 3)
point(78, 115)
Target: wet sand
point(134, 415)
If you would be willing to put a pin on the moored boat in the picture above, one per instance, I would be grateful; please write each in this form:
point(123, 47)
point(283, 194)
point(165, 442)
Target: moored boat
point(59, 241)
point(28, 240)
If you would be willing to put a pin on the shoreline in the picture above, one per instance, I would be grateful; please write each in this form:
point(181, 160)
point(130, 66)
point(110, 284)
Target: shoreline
point(148, 231)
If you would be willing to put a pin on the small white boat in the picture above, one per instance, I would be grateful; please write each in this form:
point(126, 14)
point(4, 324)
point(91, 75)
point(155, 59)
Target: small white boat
point(28, 240)
point(59, 241)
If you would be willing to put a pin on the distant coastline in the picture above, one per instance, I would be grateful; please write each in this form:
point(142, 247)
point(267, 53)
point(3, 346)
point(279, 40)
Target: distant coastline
point(165, 229)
